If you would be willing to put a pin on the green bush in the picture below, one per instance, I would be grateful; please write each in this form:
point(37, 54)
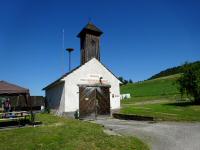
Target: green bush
point(189, 82)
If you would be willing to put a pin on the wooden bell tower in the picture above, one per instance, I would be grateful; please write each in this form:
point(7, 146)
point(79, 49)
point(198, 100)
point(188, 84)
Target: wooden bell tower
point(90, 42)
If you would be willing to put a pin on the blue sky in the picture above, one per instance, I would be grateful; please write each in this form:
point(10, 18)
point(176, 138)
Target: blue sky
point(140, 37)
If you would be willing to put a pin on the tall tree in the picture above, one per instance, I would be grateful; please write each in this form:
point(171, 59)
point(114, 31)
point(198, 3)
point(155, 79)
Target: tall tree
point(189, 82)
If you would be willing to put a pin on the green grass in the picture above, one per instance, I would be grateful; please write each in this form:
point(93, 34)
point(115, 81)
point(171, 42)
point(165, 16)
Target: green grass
point(160, 88)
point(158, 98)
point(60, 133)
point(178, 111)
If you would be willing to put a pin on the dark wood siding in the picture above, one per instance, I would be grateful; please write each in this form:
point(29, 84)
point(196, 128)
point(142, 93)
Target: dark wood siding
point(94, 101)
point(90, 47)
point(86, 101)
point(103, 99)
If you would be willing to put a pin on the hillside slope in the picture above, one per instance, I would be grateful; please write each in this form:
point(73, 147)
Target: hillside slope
point(174, 70)
point(164, 87)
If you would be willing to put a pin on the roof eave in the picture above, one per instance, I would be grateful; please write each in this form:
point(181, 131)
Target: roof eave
point(53, 84)
point(84, 31)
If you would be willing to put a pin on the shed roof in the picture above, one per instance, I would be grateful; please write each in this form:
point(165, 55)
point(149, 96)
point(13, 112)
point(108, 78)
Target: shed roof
point(9, 88)
point(66, 74)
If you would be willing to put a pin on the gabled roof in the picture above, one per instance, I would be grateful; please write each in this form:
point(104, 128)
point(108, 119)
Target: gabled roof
point(90, 28)
point(9, 88)
point(59, 79)
point(66, 74)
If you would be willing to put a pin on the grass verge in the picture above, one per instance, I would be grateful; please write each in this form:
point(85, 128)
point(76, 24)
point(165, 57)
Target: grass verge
point(177, 111)
point(65, 134)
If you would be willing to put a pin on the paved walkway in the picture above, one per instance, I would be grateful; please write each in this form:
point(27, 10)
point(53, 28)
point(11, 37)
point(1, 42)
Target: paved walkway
point(159, 136)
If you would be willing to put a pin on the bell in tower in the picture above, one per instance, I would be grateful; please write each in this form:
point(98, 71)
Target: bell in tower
point(90, 42)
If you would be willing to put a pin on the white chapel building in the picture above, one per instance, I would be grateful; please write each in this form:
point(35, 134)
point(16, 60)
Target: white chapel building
point(90, 89)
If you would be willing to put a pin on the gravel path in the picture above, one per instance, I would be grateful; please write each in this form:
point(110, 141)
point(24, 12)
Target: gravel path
point(159, 136)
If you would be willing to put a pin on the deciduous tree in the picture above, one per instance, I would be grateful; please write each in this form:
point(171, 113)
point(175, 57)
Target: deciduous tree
point(189, 82)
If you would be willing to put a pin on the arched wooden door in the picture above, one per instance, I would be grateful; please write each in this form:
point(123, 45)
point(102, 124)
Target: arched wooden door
point(94, 101)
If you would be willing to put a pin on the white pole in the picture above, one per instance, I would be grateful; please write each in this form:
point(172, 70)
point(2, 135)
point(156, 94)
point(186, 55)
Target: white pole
point(63, 50)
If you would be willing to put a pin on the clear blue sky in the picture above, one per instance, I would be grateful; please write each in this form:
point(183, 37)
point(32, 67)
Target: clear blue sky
point(140, 37)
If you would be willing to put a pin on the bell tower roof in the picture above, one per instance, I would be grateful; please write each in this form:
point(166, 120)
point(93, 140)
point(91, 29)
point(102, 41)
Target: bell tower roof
point(90, 28)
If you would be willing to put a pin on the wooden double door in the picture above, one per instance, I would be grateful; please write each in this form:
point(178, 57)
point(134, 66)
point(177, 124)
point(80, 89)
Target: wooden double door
point(94, 101)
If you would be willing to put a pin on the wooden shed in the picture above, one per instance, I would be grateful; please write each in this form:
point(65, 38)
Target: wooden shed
point(11, 90)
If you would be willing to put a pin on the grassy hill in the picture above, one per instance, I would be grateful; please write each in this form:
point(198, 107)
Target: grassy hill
point(174, 70)
point(158, 98)
point(164, 87)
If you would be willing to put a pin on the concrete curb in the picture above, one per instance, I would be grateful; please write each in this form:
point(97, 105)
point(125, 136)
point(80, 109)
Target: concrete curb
point(132, 117)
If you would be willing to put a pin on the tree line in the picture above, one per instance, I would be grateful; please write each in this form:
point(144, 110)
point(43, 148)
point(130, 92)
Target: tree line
point(174, 70)
point(125, 81)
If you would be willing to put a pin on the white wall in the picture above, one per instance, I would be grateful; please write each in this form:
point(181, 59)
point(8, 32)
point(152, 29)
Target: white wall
point(56, 98)
point(125, 96)
point(81, 75)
